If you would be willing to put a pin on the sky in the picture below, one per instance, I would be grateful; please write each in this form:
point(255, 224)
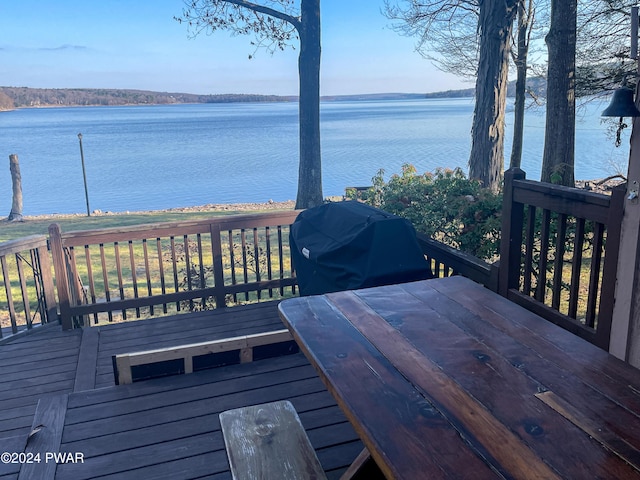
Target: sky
point(137, 44)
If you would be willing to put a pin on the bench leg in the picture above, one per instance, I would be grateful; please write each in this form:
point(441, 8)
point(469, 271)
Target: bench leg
point(363, 468)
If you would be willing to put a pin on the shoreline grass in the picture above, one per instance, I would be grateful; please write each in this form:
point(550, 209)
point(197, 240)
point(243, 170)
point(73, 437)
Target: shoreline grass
point(39, 225)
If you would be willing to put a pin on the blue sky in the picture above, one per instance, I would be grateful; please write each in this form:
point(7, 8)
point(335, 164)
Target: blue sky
point(137, 44)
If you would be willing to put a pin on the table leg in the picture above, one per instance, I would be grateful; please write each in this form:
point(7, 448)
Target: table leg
point(363, 468)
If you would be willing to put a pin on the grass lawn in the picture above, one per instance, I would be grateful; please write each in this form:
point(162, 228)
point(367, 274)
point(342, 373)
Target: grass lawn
point(40, 225)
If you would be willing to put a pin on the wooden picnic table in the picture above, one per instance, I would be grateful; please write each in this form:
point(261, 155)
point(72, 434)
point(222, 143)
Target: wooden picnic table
point(445, 379)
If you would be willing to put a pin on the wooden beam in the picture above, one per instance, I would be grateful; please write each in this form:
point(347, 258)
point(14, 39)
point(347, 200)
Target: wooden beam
point(45, 438)
point(625, 326)
point(245, 344)
point(87, 360)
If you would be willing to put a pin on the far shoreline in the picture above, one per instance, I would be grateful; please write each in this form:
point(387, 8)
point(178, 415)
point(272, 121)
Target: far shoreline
point(211, 207)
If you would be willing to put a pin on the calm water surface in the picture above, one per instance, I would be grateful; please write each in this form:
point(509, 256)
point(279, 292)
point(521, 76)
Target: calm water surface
point(156, 157)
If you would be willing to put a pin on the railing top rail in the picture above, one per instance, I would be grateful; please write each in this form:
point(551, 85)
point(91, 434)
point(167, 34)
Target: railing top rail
point(22, 244)
point(561, 199)
point(562, 191)
point(152, 230)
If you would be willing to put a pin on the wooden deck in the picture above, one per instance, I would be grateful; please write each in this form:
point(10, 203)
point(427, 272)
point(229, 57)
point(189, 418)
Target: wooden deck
point(162, 428)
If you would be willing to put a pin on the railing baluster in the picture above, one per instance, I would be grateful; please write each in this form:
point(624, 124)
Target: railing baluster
point(174, 263)
point(530, 230)
point(23, 288)
point(187, 263)
point(281, 259)
point(116, 248)
point(36, 270)
point(594, 276)
point(559, 261)
point(147, 272)
point(544, 256)
point(232, 263)
point(576, 269)
point(202, 283)
point(134, 278)
point(267, 233)
point(161, 272)
point(92, 289)
point(256, 255)
point(7, 289)
point(105, 280)
point(245, 271)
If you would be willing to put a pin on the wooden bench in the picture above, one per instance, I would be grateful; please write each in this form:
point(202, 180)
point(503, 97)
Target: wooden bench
point(268, 442)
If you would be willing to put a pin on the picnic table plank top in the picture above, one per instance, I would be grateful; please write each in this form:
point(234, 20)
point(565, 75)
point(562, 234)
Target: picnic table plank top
point(445, 378)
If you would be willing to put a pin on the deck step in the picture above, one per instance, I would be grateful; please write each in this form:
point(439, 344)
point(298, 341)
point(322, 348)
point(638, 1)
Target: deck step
point(136, 366)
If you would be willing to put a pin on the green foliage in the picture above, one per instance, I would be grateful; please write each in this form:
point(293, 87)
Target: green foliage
point(444, 205)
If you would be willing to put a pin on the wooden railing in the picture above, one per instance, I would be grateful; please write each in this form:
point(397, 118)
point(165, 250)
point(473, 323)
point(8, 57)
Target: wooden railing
point(552, 258)
point(150, 270)
point(27, 297)
point(445, 261)
point(553, 261)
point(165, 268)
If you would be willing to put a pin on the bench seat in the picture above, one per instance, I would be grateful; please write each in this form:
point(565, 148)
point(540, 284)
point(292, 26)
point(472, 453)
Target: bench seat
point(267, 442)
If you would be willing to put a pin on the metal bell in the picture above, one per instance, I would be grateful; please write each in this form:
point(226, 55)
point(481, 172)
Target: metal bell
point(622, 104)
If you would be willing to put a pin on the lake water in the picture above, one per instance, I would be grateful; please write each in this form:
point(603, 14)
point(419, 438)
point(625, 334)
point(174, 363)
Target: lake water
point(157, 157)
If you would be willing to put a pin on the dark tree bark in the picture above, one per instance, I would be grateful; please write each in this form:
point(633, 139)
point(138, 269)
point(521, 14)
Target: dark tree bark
point(486, 162)
point(524, 29)
point(310, 167)
point(559, 138)
point(276, 29)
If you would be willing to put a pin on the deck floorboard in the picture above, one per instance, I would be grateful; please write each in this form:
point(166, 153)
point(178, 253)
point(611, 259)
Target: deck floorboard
point(167, 427)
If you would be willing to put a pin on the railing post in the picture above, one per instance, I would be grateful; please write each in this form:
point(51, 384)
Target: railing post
point(511, 237)
point(62, 280)
point(609, 270)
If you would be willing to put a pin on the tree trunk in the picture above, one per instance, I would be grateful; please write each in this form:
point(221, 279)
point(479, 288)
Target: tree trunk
point(486, 162)
point(16, 181)
point(521, 86)
point(559, 136)
point(310, 167)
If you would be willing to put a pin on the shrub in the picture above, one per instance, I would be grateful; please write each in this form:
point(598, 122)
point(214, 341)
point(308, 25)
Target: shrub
point(445, 205)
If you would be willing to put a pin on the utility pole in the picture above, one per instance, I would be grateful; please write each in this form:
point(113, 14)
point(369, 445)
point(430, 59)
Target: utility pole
point(84, 176)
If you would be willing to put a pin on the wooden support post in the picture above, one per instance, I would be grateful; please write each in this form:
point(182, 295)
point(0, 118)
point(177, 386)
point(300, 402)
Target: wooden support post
point(16, 180)
point(512, 218)
point(62, 279)
point(625, 327)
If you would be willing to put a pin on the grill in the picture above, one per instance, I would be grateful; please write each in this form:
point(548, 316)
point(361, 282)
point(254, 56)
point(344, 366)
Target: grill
point(350, 245)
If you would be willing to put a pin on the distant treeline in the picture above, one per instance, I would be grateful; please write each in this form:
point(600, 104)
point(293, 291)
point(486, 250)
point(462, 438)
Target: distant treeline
point(536, 86)
point(18, 97)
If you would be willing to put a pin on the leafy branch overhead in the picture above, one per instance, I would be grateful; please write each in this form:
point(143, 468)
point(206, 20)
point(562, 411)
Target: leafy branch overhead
point(276, 25)
point(272, 28)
